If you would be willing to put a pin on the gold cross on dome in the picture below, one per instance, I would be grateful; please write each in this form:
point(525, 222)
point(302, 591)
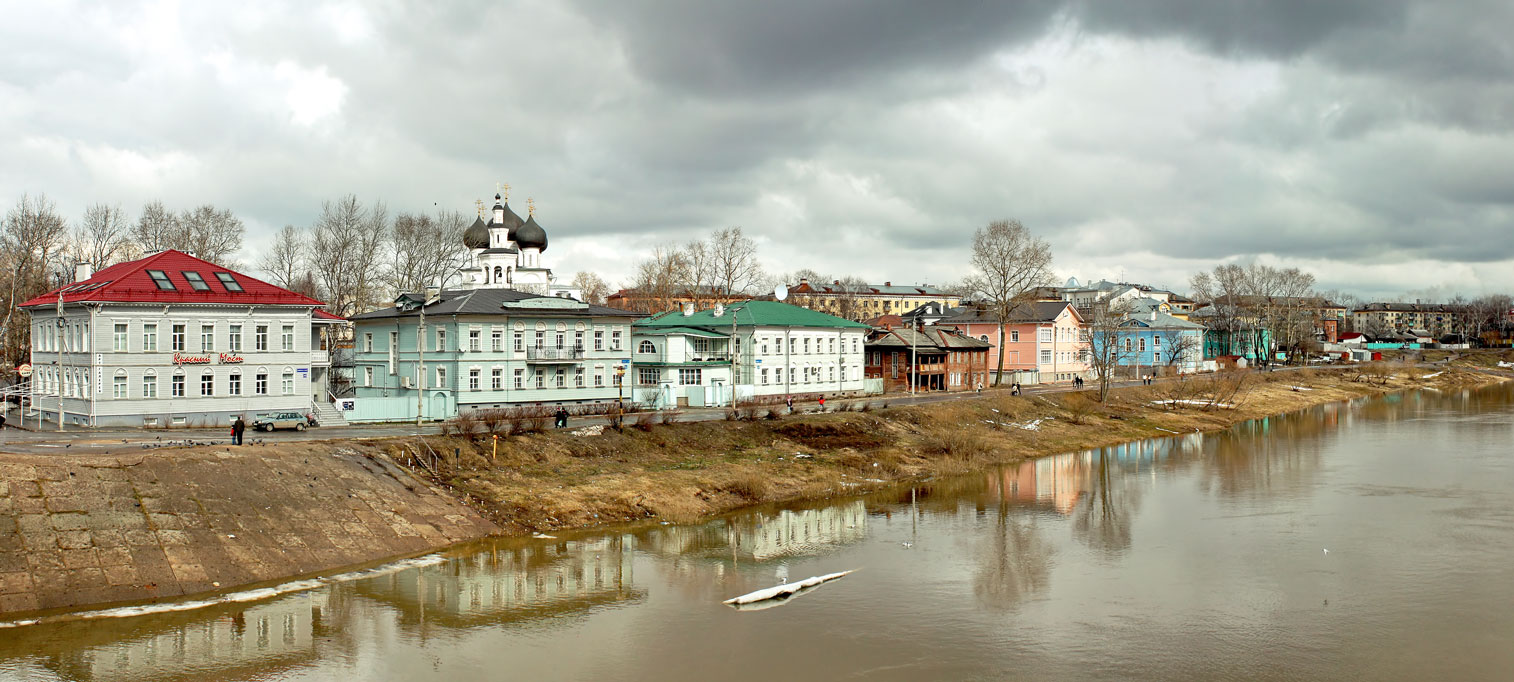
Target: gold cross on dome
point(505, 190)
point(530, 207)
point(479, 204)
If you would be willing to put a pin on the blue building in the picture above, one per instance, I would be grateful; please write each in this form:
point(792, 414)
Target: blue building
point(1155, 342)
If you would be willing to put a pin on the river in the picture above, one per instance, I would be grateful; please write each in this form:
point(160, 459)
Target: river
point(1372, 540)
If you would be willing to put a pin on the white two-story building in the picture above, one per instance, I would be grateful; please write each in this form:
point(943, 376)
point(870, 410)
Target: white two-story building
point(171, 340)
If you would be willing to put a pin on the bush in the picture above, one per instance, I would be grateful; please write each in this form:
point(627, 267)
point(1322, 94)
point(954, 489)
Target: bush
point(751, 486)
point(866, 406)
point(774, 415)
point(731, 415)
point(669, 417)
point(645, 420)
point(952, 443)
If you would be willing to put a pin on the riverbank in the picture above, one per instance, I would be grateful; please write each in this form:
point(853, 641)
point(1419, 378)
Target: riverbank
point(86, 530)
point(682, 472)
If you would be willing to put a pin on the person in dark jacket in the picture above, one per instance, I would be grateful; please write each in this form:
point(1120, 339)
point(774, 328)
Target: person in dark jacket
point(237, 427)
point(562, 417)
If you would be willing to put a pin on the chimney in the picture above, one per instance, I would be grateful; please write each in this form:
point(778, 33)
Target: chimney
point(83, 271)
point(888, 284)
point(1153, 316)
point(836, 282)
point(803, 281)
point(719, 310)
point(688, 309)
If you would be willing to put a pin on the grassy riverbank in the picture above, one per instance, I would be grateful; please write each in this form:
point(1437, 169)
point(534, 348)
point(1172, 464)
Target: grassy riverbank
point(683, 471)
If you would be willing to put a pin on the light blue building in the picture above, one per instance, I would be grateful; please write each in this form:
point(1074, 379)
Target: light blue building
point(484, 349)
point(1155, 342)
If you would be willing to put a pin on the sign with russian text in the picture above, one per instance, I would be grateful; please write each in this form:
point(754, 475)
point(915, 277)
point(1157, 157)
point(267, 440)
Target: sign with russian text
point(182, 359)
point(229, 359)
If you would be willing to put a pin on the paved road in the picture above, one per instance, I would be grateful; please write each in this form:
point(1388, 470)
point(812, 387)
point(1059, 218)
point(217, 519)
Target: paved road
point(111, 440)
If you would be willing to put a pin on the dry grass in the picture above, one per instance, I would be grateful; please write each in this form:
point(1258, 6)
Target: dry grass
point(685, 471)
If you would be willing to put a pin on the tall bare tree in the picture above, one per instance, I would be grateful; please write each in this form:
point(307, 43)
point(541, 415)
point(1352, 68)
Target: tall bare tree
point(1221, 292)
point(103, 237)
point(214, 234)
point(31, 242)
point(158, 228)
point(594, 288)
point(425, 250)
point(284, 263)
point(1109, 342)
point(347, 246)
point(1009, 263)
point(735, 270)
point(699, 272)
point(661, 278)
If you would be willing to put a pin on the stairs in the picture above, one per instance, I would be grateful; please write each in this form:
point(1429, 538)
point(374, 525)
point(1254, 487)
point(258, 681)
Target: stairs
point(327, 414)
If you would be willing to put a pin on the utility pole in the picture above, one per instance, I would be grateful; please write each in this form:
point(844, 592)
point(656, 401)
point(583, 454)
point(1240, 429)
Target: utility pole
point(420, 363)
point(61, 371)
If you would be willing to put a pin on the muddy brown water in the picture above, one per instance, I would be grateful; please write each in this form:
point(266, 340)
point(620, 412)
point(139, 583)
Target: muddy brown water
point(1193, 557)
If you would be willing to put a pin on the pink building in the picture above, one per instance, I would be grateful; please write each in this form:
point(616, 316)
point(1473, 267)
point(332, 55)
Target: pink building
point(1045, 341)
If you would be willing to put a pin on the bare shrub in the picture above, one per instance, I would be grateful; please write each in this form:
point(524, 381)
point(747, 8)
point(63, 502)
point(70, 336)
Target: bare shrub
point(749, 485)
point(732, 415)
point(669, 417)
point(774, 415)
point(952, 442)
point(866, 406)
point(1078, 405)
point(537, 418)
point(645, 420)
point(491, 420)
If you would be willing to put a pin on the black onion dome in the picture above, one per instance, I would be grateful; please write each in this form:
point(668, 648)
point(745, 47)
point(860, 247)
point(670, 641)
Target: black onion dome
point(477, 235)
point(512, 221)
point(531, 236)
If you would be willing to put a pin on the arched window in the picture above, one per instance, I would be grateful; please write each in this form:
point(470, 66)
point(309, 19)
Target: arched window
point(498, 273)
point(1127, 345)
point(646, 347)
point(983, 338)
point(509, 275)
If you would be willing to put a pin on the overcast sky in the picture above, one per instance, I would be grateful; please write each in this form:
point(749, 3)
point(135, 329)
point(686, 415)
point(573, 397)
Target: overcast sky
point(1366, 141)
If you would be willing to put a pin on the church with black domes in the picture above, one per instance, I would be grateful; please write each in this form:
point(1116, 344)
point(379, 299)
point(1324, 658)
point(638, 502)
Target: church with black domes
point(505, 253)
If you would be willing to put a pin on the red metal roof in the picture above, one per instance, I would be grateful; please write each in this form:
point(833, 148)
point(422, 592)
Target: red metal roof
point(323, 315)
point(131, 282)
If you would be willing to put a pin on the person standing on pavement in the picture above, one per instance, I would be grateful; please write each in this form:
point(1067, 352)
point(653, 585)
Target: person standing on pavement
point(790, 402)
point(237, 428)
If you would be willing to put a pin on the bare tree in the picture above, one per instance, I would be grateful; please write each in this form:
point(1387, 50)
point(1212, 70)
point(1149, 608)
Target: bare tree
point(346, 249)
point(1221, 292)
point(1180, 347)
point(285, 262)
point(31, 240)
point(1010, 262)
point(158, 229)
point(1109, 342)
point(661, 278)
point(425, 250)
point(735, 269)
point(102, 238)
point(593, 287)
point(698, 276)
point(212, 234)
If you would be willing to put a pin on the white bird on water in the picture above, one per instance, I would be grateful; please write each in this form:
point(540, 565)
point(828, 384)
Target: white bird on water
point(907, 545)
point(1327, 551)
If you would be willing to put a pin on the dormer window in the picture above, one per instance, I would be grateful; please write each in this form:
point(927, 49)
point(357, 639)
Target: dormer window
point(160, 278)
point(196, 282)
point(228, 281)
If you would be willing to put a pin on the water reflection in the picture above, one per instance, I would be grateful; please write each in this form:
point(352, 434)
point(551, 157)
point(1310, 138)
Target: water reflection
point(1213, 537)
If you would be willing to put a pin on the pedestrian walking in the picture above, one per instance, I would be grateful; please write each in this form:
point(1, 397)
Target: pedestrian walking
point(562, 417)
point(790, 402)
point(822, 403)
point(238, 427)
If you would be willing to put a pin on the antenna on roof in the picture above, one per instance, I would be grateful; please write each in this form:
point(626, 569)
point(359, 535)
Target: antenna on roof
point(780, 292)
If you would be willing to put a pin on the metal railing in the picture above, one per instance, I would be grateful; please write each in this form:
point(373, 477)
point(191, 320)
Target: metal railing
point(555, 354)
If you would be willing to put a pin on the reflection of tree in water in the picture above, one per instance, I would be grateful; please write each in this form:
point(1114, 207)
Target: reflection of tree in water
point(1275, 456)
point(1101, 519)
point(1016, 561)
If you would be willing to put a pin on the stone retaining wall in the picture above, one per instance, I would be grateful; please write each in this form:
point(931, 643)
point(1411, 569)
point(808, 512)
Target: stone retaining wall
point(87, 530)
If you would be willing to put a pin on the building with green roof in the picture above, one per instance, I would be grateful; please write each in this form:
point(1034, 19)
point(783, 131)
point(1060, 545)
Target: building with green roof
point(751, 349)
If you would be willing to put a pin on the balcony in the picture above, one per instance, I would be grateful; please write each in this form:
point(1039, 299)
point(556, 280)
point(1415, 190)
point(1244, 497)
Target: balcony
point(552, 355)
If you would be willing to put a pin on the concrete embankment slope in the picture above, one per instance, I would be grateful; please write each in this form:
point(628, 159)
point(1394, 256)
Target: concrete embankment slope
point(88, 530)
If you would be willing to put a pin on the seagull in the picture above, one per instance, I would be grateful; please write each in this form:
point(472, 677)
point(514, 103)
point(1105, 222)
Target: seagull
point(1327, 551)
point(907, 545)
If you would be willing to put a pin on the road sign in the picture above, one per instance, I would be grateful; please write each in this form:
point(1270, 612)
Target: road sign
point(24, 370)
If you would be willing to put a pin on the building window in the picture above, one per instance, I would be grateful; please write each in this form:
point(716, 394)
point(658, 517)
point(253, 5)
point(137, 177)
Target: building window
point(176, 386)
point(520, 341)
point(541, 339)
point(764, 375)
point(117, 385)
point(207, 384)
point(541, 379)
point(228, 281)
point(793, 373)
point(831, 374)
point(160, 279)
point(1156, 357)
point(150, 337)
point(578, 339)
point(578, 377)
point(807, 345)
point(1127, 345)
point(562, 338)
point(764, 346)
point(150, 385)
point(1045, 334)
point(1014, 336)
point(599, 339)
point(118, 339)
point(475, 338)
point(473, 379)
point(260, 338)
point(286, 337)
point(234, 384)
point(196, 282)
point(497, 340)
point(646, 347)
point(497, 379)
point(207, 337)
point(599, 378)
point(441, 377)
point(367, 376)
point(368, 342)
point(689, 377)
point(520, 378)
point(647, 376)
point(1156, 342)
point(615, 340)
point(1142, 342)
point(1046, 357)
point(287, 383)
point(234, 338)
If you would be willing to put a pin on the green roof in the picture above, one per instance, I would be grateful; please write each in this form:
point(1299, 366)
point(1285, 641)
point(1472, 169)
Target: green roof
point(748, 314)
point(689, 331)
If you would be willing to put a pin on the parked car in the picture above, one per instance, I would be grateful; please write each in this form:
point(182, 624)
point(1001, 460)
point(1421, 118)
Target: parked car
point(280, 420)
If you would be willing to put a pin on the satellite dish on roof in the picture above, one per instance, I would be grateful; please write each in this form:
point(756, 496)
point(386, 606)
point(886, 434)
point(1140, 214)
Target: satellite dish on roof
point(780, 292)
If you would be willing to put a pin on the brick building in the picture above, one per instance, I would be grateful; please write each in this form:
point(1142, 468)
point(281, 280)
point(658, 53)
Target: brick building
point(930, 358)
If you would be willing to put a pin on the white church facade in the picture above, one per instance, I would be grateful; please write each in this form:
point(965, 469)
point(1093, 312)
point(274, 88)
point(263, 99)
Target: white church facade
point(505, 253)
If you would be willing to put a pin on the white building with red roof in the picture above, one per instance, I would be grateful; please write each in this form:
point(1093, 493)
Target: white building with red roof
point(171, 340)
